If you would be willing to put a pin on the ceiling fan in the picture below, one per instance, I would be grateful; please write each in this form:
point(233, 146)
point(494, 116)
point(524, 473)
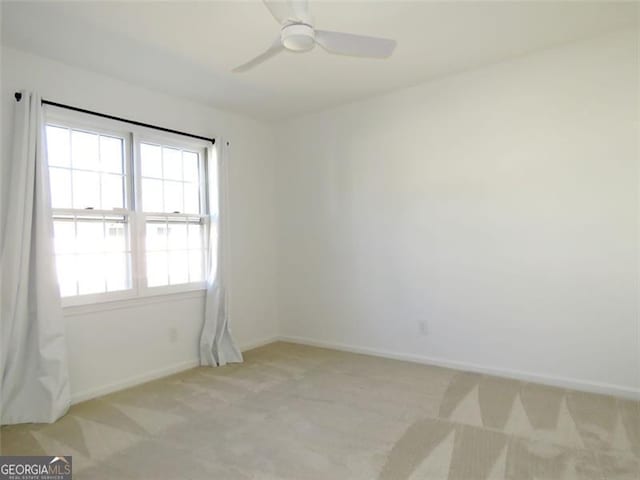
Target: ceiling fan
point(298, 34)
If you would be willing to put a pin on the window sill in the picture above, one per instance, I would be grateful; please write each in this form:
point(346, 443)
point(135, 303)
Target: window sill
point(135, 302)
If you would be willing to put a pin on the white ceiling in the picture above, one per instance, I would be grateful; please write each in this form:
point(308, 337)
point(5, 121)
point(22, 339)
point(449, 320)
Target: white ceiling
point(188, 48)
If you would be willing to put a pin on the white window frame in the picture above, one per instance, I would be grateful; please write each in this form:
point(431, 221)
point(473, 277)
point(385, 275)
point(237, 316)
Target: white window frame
point(185, 143)
point(133, 135)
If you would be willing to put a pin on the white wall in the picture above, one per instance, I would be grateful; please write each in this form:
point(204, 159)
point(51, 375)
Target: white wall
point(499, 206)
point(117, 347)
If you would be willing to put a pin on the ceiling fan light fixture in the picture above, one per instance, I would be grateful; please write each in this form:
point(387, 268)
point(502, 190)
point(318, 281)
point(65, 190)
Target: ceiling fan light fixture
point(298, 37)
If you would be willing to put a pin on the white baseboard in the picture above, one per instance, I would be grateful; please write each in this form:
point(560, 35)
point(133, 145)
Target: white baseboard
point(595, 387)
point(258, 343)
point(132, 381)
point(155, 374)
point(575, 384)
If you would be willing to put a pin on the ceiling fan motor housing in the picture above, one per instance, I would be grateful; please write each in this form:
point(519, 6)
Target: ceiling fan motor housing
point(298, 37)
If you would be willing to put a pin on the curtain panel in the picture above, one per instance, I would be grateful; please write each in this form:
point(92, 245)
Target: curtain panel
point(217, 346)
point(35, 380)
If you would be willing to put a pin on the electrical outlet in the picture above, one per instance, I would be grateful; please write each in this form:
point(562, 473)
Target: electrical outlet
point(424, 330)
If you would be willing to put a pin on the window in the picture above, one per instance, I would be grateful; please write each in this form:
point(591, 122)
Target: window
point(174, 225)
point(129, 209)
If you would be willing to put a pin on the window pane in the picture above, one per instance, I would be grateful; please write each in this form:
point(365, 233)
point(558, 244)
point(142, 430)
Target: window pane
point(195, 236)
point(86, 189)
point(172, 164)
point(90, 273)
point(116, 237)
point(112, 191)
point(156, 236)
point(195, 266)
point(173, 197)
point(178, 267)
point(66, 268)
point(177, 236)
point(67, 275)
point(90, 267)
point(117, 271)
point(64, 233)
point(58, 146)
point(84, 150)
point(111, 154)
point(157, 273)
point(60, 182)
point(190, 162)
point(151, 160)
point(152, 195)
point(90, 237)
point(191, 198)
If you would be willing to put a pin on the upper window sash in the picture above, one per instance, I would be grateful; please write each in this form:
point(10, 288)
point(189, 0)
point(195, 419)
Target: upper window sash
point(101, 180)
point(171, 175)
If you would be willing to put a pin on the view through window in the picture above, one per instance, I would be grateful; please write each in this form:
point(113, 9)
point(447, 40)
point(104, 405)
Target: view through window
point(129, 211)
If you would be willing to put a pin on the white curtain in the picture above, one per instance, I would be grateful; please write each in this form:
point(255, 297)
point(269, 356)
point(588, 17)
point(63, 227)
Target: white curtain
point(217, 346)
point(35, 381)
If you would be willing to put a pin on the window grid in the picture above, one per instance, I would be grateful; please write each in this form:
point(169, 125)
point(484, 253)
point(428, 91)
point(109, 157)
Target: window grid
point(100, 183)
point(120, 240)
point(163, 179)
point(71, 256)
point(191, 248)
point(74, 166)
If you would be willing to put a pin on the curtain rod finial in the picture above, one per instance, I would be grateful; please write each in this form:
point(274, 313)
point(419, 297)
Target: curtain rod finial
point(18, 96)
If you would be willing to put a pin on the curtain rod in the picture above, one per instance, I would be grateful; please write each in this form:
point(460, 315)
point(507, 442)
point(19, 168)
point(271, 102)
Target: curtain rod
point(18, 96)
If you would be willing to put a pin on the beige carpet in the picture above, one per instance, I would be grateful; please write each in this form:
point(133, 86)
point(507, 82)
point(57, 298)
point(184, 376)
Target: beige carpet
point(295, 412)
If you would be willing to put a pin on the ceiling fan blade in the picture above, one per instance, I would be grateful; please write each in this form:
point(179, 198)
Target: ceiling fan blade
point(300, 10)
point(355, 45)
point(273, 50)
point(280, 9)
